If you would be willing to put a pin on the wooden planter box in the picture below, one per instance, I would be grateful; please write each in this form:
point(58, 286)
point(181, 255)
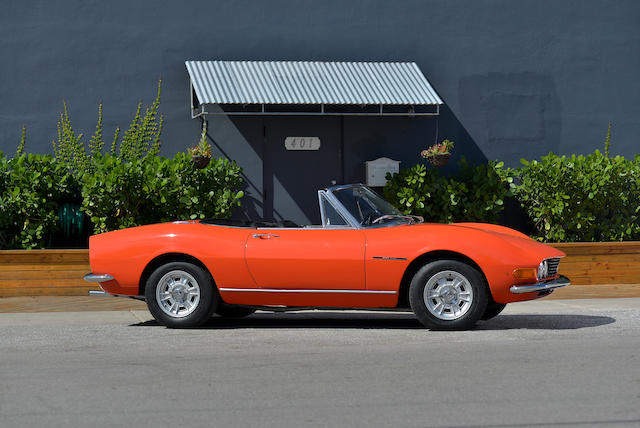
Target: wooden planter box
point(608, 269)
point(600, 270)
point(44, 273)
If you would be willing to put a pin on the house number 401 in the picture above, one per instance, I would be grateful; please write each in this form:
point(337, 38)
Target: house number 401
point(302, 143)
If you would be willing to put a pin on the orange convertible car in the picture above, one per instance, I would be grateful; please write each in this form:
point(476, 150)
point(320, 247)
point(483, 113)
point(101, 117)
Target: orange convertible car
point(365, 254)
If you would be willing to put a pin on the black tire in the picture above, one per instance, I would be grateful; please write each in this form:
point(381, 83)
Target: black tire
point(454, 286)
point(493, 310)
point(229, 311)
point(200, 309)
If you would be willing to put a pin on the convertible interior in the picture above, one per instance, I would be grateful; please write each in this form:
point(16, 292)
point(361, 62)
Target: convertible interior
point(352, 205)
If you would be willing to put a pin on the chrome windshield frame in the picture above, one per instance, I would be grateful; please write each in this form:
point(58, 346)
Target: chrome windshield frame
point(335, 203)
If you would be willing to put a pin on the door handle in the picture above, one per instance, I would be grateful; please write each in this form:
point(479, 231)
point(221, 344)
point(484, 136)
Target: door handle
point(265, 235)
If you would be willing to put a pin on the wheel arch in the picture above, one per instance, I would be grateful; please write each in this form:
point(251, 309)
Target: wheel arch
point(168, 258)
point(432, 256)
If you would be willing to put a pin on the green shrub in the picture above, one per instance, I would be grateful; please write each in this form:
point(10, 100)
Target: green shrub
point(130, 186)
point(476, 193)
point(122, 193)
point(580, 198)
point(32, 187)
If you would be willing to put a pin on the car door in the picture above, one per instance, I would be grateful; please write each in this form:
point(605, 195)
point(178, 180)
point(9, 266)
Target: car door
point(313, 258)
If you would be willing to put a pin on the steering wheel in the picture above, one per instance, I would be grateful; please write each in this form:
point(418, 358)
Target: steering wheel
point(383, 217)
point(370, 218)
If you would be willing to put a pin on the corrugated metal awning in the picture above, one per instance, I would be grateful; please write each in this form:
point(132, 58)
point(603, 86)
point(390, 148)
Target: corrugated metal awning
point(310, 83)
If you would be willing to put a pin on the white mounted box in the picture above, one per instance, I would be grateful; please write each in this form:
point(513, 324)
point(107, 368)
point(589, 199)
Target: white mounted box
point(376, 171)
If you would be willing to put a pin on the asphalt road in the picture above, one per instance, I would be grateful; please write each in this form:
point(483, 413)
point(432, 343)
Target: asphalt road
point(543, 363)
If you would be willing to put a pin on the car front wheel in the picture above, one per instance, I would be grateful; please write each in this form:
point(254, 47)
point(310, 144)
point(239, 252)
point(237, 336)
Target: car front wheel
point(448, 295)
point(181, 295)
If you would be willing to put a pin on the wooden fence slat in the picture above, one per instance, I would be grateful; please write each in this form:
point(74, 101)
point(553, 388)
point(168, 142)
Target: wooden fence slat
point(596, 248)
point(620, 274)
point(39, 257)
point(21, 275)
point(44, 291)
point(41, 267)
point(39, 283)
point(614, 258)
point(50, 251)
point(603, 264)
point(601, 279)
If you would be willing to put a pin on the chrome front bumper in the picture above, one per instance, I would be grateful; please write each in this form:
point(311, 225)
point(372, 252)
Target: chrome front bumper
point(98, 277)
point(561, 281)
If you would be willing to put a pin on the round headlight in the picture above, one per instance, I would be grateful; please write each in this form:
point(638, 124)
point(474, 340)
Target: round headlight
point(543, 269)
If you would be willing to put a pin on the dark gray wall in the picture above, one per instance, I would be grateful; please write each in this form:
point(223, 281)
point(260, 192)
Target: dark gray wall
point(519, 78)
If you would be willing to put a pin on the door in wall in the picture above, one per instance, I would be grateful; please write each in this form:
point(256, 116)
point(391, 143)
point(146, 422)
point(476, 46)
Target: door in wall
point(293, 175)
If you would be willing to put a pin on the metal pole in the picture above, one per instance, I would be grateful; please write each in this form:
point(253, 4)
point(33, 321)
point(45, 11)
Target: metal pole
point(437, 121)
point(267, 204)
point(341, 151)
point(191, 97)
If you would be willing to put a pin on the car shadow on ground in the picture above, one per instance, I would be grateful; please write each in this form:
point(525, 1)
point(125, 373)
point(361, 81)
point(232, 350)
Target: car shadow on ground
point(544, 322)
point(310, 320)
point(405, 321)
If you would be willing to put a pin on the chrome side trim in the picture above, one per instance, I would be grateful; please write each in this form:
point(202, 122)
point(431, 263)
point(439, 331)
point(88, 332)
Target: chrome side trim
point(98, 293)
point(290, 290)
point(561, 281)
point(98, 277)
point(389, 258)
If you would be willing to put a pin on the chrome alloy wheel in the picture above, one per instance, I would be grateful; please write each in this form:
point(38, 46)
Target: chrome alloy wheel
point(448, 295)
point(178, 293)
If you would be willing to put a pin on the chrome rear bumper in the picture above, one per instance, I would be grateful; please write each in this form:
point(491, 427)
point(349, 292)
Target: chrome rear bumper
point(98, 277)
point(561, 281)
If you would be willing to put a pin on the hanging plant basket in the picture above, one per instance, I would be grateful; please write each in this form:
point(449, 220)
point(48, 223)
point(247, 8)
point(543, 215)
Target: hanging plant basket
point(439, 160)
point(200, 162)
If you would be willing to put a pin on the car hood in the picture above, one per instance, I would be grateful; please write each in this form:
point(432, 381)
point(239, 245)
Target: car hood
point(493, 229)
point(519, 241)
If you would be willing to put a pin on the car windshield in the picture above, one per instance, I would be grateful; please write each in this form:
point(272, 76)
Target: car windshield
point(369, 209)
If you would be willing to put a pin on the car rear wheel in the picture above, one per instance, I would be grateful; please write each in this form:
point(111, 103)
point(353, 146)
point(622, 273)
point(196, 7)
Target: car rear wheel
point(228, 311)
point(493, 310)
point(448, 295)
point(180, 295)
